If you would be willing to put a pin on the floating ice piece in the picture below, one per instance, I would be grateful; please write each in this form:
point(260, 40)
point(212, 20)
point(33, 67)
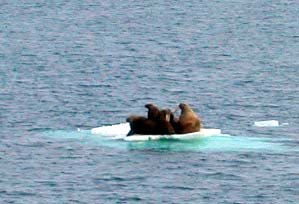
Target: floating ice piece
point(120, 131)
point(266, 123)
point(284, 124)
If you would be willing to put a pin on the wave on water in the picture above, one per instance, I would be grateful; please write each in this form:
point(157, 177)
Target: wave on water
point(219, 143)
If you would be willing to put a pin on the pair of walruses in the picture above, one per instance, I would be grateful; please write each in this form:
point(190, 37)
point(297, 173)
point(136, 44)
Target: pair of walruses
point(163, 122)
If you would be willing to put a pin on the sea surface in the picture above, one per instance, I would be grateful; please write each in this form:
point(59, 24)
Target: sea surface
point(69, 66)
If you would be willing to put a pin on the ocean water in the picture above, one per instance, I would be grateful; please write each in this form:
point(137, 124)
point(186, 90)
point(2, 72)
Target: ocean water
point(66, 65)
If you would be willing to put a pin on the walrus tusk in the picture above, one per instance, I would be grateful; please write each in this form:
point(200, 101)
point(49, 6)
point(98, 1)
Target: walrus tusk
point(167, 117)
point(176, 109)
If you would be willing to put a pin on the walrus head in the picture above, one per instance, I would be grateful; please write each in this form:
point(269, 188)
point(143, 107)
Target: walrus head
point(165, 114)
point(185, 108)
point(149, 105)
point(153, 111)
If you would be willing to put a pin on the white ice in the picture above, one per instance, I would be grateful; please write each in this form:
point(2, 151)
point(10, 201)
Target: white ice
point(119, 131)
point(267, 123)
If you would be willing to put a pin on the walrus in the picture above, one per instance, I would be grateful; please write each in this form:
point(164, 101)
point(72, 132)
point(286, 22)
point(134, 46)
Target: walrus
point(164, 125)
point(162, 118)
point(141, 125)
point(158, 122)
point(153, 111)
point(188, 121)
point(174, 121)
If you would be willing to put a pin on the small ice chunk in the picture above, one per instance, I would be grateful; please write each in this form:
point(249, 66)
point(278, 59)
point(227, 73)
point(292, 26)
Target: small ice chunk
point(266, 123)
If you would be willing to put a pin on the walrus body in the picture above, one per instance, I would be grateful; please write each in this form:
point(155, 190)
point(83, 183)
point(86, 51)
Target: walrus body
point(142, 125)
point(157, 122)
point(188, 121)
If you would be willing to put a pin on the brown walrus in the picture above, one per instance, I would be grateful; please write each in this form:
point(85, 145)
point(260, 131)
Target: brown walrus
point(158, 122)
point(141, 125)
point(174, 121)
point(164, 125)
point(153, 111)
point(188, 121)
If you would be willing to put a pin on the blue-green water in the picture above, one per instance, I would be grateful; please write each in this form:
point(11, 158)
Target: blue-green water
point(215, 143)
point(68, 65)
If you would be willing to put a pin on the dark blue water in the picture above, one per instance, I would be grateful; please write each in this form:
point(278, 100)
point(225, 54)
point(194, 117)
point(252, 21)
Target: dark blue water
point(68, 65)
